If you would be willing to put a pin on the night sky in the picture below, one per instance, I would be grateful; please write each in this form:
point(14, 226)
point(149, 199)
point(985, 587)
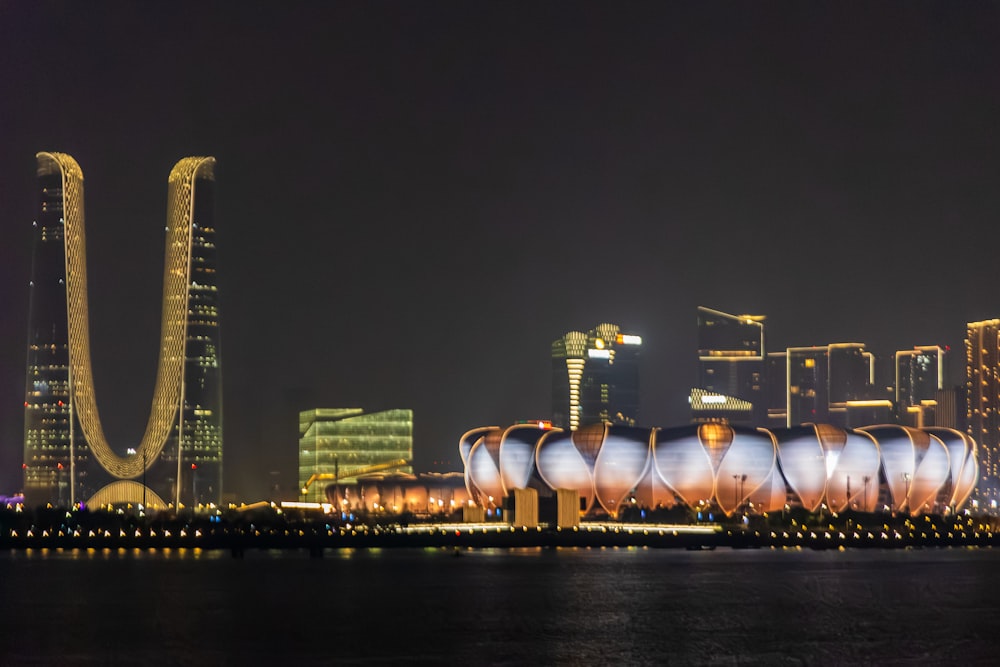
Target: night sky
point(415, 198)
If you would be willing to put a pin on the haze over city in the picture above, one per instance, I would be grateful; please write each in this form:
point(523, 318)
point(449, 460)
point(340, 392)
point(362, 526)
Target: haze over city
point(414, 200)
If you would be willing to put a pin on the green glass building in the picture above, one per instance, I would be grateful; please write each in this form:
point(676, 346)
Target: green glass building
point(336, 445)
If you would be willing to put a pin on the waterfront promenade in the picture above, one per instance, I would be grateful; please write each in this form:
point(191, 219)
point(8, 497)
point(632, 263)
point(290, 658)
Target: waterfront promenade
point(319, 535)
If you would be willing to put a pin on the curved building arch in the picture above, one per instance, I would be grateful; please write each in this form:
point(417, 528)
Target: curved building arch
point(126, 492)
point(184, 307)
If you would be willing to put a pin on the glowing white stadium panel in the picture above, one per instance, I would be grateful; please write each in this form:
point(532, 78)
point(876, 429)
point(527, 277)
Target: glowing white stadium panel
point(716, 439)
point(961, 454)
point(968, 480)
point(652, 491)
point(484, 468)
point(517, 455)
point(969, 474)
point(748, 463)
point(898, 459)
point(465, 444)
point(683, 463)
point(588, 441)
point(933, 472)
point(772, 494)
point(470, 438)
point(561, 466)
point(620, 465)
point(832, 440)
point(803, 464)
point(854, 481)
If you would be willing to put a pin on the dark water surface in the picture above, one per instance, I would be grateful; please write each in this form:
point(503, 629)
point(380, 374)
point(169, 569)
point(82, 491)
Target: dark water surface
point(510, 607)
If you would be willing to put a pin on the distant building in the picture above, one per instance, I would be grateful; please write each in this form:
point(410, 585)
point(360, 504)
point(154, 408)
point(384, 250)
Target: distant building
point(709, 406)
point(776, 384)
point(595, 378)
point(950, 409)
point(338, 445)
point(919, 376)
point(731, 374)
point(982, 381)
point(822, 380)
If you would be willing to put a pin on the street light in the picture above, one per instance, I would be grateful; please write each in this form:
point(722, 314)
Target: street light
point(743, 481)
point(736, 500)
point(867, 478)
point(906, 498)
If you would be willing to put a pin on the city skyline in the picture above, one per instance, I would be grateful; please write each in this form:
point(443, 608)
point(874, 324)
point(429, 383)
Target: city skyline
point(413, 202)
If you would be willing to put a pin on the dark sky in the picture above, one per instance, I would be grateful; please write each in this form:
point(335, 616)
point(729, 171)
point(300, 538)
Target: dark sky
point(415, 198)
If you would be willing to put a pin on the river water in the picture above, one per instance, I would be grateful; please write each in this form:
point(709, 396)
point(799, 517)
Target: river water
point(631, 606)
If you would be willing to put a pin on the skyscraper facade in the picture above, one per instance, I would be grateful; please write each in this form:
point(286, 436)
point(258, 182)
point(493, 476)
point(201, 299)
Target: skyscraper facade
point(731, 354)
point(919, 376)
point(52, 453)
point(67, 458)
point(982, 382)
point(595, 378)
point(826, 383)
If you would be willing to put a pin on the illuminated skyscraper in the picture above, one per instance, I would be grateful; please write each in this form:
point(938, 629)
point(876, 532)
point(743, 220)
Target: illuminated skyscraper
point(730, 368)
point(982, 382)
point(919, 376)
point(66, 455)
point(50, 461)
point(595, 378)
point(830, 382)
point(776, 382)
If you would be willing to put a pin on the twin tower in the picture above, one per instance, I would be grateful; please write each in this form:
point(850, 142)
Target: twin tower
point(67, 458)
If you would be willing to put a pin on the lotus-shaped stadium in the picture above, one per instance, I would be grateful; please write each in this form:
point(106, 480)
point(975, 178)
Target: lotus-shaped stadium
point(732, 468)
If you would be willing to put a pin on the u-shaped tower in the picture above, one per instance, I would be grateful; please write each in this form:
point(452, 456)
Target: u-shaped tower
point(67, 458)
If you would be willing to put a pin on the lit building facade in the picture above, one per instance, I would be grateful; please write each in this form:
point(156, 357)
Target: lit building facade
point(776, 381)
point(950, 408)
point(823, 381)
point(595, 377)
point(982, 382)
point(919, 377)
point(67, 458)
point(339, 445)
point(731, 370)
point(52, 453)
point(732, 468)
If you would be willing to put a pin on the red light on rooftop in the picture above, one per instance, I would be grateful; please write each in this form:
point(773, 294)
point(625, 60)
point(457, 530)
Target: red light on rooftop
point(194, 466)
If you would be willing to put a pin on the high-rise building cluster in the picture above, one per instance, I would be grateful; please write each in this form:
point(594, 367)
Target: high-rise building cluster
point(982, 404)
point(741, 382)
point(595, 377)
point(808, 425)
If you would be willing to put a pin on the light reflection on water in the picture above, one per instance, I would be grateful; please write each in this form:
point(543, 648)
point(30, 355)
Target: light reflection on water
point(499, 606)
